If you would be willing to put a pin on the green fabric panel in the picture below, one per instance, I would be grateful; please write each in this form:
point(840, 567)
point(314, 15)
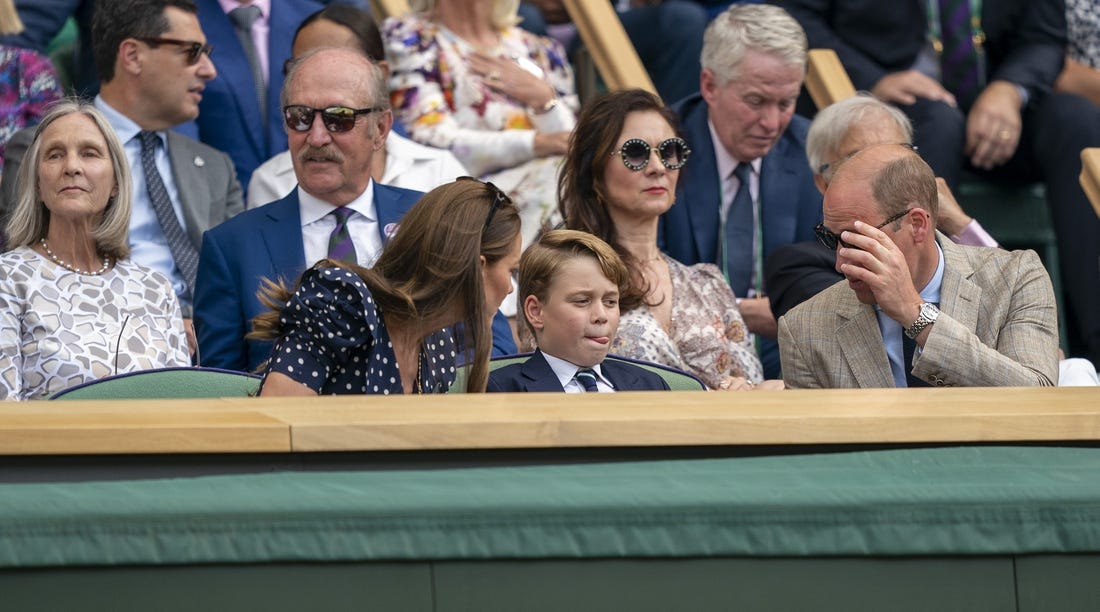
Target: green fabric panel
point(967, 500)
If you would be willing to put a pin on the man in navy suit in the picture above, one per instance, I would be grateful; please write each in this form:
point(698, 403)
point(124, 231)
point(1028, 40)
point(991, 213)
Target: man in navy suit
point(749, 189)
point(570, 283)
point(338, 116)
point(230, 116)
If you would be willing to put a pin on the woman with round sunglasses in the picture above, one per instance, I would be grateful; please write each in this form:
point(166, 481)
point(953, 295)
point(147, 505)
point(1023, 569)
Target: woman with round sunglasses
point(619, 177)
point(391, 328)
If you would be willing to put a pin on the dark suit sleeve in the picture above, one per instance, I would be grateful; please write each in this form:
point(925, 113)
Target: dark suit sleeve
point(219, 308)
point(796, 272)
point(814, 16)
point(1027, 48)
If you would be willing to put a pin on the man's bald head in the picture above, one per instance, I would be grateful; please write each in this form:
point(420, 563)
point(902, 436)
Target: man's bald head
point(898, 178)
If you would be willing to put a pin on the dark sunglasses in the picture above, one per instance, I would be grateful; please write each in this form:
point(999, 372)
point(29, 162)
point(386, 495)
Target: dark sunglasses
point(635, 152)
point(831, 240)
point(194, 48)
point(336, 118)
point(499, 197)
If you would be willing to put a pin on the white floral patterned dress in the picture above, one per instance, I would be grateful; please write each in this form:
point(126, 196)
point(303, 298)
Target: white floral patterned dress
point(707, 336)
point(59, 328)
point(443, 103)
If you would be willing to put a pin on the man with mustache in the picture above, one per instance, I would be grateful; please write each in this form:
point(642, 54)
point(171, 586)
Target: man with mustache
point(336, 112)
point(749, 189)
point(153, 63)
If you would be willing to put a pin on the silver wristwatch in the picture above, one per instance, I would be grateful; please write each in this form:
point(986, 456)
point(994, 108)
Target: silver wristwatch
point(928, 315)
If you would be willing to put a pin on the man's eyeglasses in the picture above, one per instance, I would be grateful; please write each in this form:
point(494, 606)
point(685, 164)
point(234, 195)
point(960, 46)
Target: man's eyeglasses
point(831, 240)
point(499, 197)
point(635, 152)
point(194, 48)
point(300, 118)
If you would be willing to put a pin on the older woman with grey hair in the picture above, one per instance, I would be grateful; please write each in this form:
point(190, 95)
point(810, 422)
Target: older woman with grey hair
point(73, 307)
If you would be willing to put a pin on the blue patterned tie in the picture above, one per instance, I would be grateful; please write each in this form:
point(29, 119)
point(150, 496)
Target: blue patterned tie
point(738, 235)
point(243, 17)
point(959, 59)
point(340, 246)
point(587, 378)
point(183, 252)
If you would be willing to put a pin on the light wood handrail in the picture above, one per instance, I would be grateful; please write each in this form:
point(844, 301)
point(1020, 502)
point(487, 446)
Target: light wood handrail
point(543, 420)
point(1090, 176)
point(826, 79)
point(611, 50)
point(388, 8)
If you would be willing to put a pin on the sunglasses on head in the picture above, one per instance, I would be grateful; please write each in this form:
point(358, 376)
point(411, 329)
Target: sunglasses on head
point(635, 152)
point(194, 48)
point(499, 197)
point(831, 240)
point(300, 118)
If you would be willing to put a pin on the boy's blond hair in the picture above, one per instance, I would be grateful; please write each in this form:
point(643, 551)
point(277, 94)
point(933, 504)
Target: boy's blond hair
point(541, 262)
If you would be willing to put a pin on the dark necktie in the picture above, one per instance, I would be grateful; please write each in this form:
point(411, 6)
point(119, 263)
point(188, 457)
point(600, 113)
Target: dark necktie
point(959, 58)
point(738, 235)
point(587, 378)
point(243, 17)
point(340, 245)
point(183, 252)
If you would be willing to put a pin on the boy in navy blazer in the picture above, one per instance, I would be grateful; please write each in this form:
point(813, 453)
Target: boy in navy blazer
point(569, 283)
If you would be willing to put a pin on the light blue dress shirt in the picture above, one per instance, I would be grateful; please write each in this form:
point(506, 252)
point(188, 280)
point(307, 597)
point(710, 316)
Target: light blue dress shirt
point(891, 329)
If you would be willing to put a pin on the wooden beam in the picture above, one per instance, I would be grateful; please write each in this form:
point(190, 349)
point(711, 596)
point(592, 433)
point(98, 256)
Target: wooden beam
point(388, 8)
point(611, 50)
point(1090, 176)
point(826, 79)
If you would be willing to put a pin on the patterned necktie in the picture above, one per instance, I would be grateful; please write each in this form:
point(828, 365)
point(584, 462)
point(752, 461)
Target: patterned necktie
point(243, 17)
point(183, 251)
point(739, 228)
point(340, 245)
point(959, 58)
point(587, 378)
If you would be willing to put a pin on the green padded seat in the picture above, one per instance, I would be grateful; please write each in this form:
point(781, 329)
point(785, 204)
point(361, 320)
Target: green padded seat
point(166, 383)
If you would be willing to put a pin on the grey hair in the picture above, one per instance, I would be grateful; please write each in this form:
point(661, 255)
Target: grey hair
point(375, 77)
point(503, 16)
point(30, 220)
point(751, 27)
point(833, 123)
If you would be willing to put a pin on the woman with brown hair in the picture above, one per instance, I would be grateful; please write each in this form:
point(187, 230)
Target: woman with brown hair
point(619, 177)
point(391, 328)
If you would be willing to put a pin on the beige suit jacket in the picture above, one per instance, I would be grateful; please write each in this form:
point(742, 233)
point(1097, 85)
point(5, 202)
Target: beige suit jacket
point(998, 327)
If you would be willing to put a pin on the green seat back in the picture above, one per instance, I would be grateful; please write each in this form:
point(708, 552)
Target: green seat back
point(166, 383)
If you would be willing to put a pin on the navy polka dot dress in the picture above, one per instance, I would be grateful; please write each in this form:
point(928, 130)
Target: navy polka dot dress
point(335, 341)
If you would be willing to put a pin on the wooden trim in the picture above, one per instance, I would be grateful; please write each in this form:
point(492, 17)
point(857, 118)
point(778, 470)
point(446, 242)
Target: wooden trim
point(388, 8)
point(543, 420)
point(826, 79)
point(1090, 176)
point(611, 50)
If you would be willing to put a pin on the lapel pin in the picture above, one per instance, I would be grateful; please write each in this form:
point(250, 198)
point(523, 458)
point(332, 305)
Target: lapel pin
point(390, 230)
point(199, 161)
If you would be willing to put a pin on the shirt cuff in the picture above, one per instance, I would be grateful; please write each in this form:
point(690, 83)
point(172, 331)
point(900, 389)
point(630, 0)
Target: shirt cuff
point(974, 235)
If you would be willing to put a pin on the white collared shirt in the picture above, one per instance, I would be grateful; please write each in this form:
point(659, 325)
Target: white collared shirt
point(566, 373)
point(318, 224)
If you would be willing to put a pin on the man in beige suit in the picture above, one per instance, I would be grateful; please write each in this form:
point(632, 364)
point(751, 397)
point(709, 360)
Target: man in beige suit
point(915, 308)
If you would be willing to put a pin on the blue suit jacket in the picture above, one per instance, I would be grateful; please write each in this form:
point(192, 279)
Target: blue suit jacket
point(535, 375)
point(790, 204)
point(264, 242)
point(229, 115)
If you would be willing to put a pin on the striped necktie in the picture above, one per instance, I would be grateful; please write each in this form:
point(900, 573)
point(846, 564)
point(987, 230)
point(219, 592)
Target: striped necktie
point(340, 245)
point(959, 59)
point(587, 378)
point(183, 251)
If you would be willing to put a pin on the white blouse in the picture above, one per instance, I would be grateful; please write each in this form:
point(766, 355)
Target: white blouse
point(59, 328)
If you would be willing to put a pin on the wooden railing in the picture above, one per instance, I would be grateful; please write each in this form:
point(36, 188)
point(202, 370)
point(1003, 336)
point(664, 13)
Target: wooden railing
point(533, 421)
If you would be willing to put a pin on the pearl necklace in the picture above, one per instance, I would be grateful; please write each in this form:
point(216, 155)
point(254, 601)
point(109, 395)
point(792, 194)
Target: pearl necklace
point(57, 260)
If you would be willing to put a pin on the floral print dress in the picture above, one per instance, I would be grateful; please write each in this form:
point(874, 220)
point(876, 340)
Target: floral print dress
point(707, 336)
point(443, 103)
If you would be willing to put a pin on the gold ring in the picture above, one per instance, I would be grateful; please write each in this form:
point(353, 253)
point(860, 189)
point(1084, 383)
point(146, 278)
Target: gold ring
point(1005, 134)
